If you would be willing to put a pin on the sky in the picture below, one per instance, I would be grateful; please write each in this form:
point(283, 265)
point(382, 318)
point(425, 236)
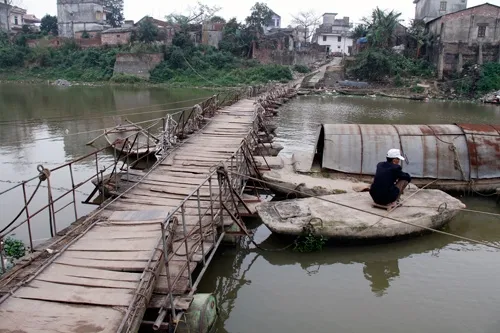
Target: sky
point(355, 9)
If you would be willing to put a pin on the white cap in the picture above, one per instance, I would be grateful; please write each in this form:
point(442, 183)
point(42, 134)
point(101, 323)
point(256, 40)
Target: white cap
point(395, 153)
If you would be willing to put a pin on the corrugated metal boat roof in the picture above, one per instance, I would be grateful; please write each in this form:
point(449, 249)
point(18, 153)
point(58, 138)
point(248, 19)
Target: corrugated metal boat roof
point(455, 152)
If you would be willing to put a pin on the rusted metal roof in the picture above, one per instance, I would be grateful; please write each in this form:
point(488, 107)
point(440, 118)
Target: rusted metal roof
point(455, 152)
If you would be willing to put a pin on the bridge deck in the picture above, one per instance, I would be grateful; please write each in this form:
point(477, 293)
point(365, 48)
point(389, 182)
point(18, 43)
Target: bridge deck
point(89, 287)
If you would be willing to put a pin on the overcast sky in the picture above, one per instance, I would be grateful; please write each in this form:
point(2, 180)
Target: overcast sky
point(355, 9)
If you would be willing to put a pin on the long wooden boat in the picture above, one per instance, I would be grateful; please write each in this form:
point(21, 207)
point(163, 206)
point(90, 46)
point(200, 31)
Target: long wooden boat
point(458, 156)
point(130, 140)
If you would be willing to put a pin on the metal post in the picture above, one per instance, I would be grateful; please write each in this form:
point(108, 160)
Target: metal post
point(27, 216)
point(201, 226)
point(211, 208)
point(102, 194)
point(183, 211)
point(167, 269)
point(73, 189)
point(221, 210)
point(2, 264)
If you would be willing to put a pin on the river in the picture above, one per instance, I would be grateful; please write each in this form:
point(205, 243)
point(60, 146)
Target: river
point(432, 283)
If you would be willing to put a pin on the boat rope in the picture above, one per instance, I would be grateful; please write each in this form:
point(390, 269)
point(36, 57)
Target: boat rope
point(368, 212)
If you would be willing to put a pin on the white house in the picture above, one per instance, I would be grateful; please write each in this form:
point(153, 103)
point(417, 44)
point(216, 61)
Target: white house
point(275, 23)
point(334, 34)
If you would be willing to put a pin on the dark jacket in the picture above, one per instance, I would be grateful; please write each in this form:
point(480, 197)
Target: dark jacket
point(383, 189)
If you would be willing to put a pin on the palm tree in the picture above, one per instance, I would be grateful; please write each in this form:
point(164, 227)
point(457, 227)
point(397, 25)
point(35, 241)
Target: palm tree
point(419, 35)
point(359, 31)
point(381, 27)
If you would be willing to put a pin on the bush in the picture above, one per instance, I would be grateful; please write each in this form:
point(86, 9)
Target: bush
point(379, 64)
point(14, 248)
point(417, 89)
point(125, 78)
point(301, 69)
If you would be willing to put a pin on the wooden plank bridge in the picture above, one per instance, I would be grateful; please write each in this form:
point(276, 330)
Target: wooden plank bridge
point(142, 249)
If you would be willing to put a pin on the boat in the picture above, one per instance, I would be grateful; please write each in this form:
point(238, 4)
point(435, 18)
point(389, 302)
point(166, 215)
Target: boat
point(459, 157)
point(131, 139)
point(353, 215)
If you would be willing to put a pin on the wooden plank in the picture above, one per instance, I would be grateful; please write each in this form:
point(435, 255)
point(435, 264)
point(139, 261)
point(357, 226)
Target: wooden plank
point(180, 303)
point(133, 228)
point(180, 248)
point(113, 256)
point(204, 192)
point(75, 294)
point(154, 214)
point(85, 282)
point(112, 265)
point(199, 171)
point(89, 244)
point(33, 316)
point(145, 195)
point(101, 234)
point(93, 273)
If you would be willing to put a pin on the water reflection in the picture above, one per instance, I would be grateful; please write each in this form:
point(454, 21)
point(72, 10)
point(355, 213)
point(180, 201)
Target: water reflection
point(380, 274)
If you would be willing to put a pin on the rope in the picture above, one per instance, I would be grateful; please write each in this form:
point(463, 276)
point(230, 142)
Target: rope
point(389, 218)
point(43, 176)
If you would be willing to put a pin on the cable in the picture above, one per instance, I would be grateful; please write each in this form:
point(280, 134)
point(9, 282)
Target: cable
point(68, 118)
point(365, 211)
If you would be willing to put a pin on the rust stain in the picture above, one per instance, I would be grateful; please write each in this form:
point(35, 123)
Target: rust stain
point(426, 130)
point(478, 129)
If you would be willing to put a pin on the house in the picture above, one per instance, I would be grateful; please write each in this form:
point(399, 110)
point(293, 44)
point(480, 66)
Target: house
point(274, 23)
point(4, 15)
point(468, 36)
point(117, 36)
point(212, 33)
point(334, 34)
point(428, 10)
point(18, 18)
point(80, 17)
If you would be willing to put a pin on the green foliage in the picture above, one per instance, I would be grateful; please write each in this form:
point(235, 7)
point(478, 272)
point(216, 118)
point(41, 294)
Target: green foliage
point(14, 248)
point(49, 25)
point(398, 81)
point(217, 19)
point(301, 69)
point(236, 39)
point(85, 35)
point(381, 26)
point(361, 30)
point(478, 80)
point(309, 242)
point(115, 18)
point(125, 78)
point(379, 64)
point(260, 16)
point(148, 31)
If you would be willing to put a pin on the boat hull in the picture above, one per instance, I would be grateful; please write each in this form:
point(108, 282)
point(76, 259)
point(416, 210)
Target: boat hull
point(352, 216)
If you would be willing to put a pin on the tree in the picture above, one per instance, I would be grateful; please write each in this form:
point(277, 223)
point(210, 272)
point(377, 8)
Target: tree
point(260, 16)
point(308, 21)
point(235, 39)
point(196, 15)
point(381, 27)
point(217, 19)
point(148, 31)
point(49, 25)
point(115, 18)
point(419, 35)
point(361, 30)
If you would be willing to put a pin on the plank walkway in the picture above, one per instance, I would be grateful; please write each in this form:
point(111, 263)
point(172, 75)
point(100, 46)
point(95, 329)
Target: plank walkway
point(90, 286)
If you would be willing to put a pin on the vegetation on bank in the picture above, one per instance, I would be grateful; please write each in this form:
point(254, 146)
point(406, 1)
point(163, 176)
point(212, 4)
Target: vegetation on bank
point(185, 63)
point(380, 63)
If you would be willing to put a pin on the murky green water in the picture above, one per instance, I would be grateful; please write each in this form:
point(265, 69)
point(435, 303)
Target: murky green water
point(432, 283)
point(51, 125)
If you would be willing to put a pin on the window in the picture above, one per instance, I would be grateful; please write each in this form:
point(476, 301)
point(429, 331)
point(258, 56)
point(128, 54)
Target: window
point(481, 31)
point(324, 38)
point(16, 22)
point(442, 6)
point(339, 39)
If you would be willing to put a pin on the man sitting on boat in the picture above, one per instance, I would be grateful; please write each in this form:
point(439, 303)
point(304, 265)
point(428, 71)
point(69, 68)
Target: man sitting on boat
point(390, 180)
